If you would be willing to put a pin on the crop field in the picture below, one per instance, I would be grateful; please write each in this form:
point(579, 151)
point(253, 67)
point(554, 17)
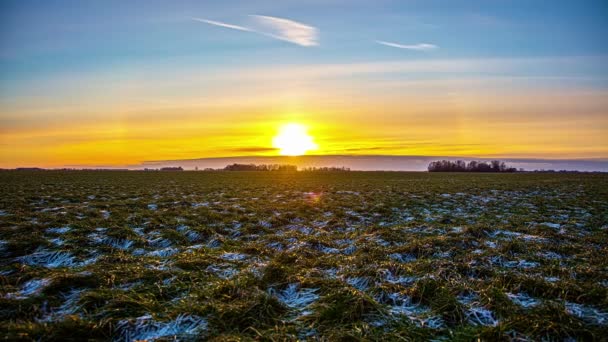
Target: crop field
point(228, 256)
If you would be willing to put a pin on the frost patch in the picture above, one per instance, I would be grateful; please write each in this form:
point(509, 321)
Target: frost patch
point(58, 230)
point(295, 298)
point(506, 233)
point(402, 257)
point(105, 214)
point(122, 244)
point(214, 243)
point(57, 241)
point(551, 225)
point(550, 255)
point(391, 278)
point(68, 307)
point(457, 230)
point(478, 315)
point(490, 244)
point(192, 236)
point(328, 250)
point(222, 271)
point(159, 243)
point(30, 288)
point(421, 316)
point(44, 258)
point(523, 264)
point(523, 300)
point(360, 283)
point(587, 314)
point(277, 246)
point(164, 252)
point(233, 256)
point(145, 328)
point(475, 313)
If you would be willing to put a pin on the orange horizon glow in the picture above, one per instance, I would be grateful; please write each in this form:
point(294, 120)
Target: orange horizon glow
point(106, 127)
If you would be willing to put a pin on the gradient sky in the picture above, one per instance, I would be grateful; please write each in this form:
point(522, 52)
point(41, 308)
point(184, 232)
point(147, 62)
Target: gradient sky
point(113, 83)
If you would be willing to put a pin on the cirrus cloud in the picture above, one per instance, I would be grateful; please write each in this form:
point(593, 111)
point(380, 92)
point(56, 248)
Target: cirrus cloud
point(278, 28)
point(416, 47)
point(221, 24)
point(287, 30)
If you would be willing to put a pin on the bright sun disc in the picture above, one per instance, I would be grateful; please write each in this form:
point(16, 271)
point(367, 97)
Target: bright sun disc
point(293, 140)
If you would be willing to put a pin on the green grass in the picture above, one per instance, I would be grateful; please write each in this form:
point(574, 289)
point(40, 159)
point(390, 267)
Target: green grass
point(388, 256)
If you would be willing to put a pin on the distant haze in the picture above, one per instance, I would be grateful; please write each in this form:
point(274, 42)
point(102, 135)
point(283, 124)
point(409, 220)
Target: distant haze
point(375, 162)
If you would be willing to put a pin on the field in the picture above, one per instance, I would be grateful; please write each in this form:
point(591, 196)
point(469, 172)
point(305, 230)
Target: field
point(307, 255)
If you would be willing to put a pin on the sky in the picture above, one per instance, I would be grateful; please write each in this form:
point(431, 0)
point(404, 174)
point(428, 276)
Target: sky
point(115, 83)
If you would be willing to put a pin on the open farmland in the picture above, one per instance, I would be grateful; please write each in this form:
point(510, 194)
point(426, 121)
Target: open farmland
point(306, 255)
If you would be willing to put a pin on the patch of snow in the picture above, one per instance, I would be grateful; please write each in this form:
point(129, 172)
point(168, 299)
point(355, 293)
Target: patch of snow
point(160, 243)
point(68, 307)
point(457, 230)
point(391, 278)
point(551, 225)
point(222, 271)
point(402, 305)
point(490, 244)
point(122, 244)
point(105, 214)
point(58, 230)
point(329, 250)
point(294, 297)
point(349, 250)
point(550, 255)
point(360, 283)
point(587, 313)
point(331, 273)
point(30, 288)
point(402, 257)
point(214, 243)
point(523, 300)
point(57, 241)
point(479, 315)
point(277, 246)
point(233, 256)
point(163, 253)
point(145, 328)
point(49, 259)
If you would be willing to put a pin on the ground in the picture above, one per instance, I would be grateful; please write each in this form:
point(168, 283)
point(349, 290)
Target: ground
point(309, 255)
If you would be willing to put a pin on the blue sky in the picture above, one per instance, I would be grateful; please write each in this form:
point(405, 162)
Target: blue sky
point(54, 36)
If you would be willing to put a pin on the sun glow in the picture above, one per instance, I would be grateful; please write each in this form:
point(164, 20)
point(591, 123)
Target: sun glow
point(293, 140)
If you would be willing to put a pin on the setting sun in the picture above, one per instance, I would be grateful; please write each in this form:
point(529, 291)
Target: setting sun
point(293, 140)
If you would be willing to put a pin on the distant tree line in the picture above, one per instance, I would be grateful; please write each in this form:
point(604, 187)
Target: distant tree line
point(325, 168)
point(472, 166)
point(260, 167)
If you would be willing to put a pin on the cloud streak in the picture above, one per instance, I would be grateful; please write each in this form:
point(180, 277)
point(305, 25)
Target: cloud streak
point(277, 28)
point(416, 47)
point(221, 24)
point(287, 30)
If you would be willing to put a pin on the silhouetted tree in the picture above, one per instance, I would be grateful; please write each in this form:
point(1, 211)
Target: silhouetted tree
point(472, 166)
point(261, 167)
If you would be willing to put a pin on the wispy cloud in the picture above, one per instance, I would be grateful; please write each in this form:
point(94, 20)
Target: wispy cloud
point(277, 28)
point(416, 47)
point(221, 24)
point(287, 30)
